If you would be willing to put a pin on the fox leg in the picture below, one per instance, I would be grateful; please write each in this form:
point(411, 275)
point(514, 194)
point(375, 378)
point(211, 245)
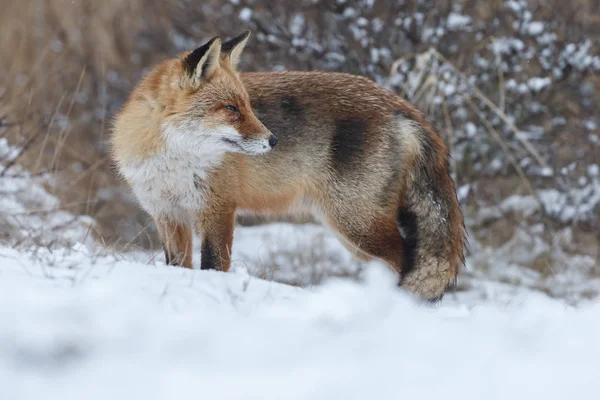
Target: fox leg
point(215, 226)
point(177, 241)
point(368, 238)
point(352, 248)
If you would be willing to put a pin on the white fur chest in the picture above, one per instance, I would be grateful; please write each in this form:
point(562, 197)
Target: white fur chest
point(170, 184)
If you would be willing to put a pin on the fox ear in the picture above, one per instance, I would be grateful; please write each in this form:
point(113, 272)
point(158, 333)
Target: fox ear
point(233, 48)
point(202, 62)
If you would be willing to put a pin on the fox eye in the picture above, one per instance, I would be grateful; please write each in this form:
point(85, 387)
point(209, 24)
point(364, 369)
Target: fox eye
point(231, 108)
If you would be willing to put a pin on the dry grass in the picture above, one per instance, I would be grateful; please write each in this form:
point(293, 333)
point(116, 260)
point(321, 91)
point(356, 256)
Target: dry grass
point(56, 94)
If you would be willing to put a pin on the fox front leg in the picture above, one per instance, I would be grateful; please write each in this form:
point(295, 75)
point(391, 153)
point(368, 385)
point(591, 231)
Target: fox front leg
point(177, 242)
point(216, 230)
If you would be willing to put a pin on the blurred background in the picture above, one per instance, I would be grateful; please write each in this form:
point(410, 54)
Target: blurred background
point(512, 85)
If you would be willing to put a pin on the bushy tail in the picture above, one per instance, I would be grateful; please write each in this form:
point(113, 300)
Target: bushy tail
point(431, 222)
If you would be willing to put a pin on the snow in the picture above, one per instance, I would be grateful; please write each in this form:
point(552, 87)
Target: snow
point(462, 193)
point(535, 28)
point(576, 205)
point(536, 84)
point(297, 24)
point(471, 129)
point(457, 21)
point(245, 14)
point(578, 56)
point(505, 45)
point(79, 325)
point(590, 125)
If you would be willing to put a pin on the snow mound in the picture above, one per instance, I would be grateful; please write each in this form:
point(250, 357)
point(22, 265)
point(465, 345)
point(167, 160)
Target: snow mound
point(79, 325)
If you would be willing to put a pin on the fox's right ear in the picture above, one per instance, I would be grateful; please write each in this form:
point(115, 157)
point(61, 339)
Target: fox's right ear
point(202, 62)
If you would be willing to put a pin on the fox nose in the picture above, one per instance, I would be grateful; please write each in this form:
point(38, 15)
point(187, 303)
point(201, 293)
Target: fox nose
point(272, 140)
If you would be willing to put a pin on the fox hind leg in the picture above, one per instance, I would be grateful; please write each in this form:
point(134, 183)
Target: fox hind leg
point(369, 238)
point(352, 248)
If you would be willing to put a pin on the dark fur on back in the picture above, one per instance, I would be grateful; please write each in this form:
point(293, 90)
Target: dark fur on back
point(290, 107)
point(348, 142)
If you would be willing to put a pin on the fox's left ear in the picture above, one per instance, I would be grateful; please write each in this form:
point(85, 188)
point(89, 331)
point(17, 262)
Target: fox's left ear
point(232, 49)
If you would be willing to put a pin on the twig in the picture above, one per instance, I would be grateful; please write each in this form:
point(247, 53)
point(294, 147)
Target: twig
point(135, 237)
point(47, 135)
point(450, 131)
point(496, 136)
point(64, 133)
point(83, 174)
point(483, 98)
point(23, 149)
point(501, 86)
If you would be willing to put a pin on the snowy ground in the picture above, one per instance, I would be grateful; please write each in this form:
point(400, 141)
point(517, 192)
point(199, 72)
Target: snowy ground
point(76, 325)
point(79, 321)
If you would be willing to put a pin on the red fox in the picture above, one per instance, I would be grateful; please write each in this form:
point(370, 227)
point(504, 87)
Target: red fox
point(199, 142)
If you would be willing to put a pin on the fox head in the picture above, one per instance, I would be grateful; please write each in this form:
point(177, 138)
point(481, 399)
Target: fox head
point(212, 108)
